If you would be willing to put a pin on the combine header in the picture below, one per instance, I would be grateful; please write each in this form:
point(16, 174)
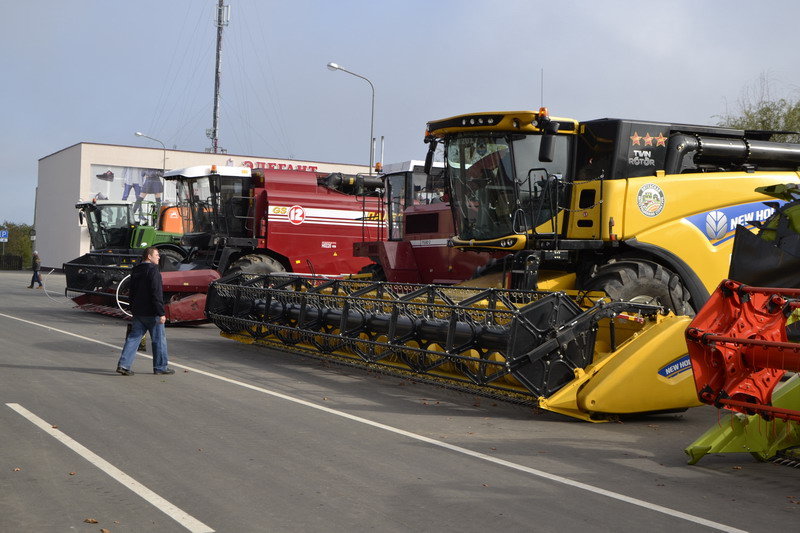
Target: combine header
point(526, 345)
point(740, 354)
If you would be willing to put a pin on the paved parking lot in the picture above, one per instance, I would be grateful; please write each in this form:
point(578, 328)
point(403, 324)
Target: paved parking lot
point(247, 439)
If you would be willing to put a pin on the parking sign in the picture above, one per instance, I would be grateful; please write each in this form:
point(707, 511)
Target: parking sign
point(3, 235)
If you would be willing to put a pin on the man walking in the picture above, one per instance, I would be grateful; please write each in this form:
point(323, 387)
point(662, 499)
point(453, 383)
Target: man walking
point(147, 308)
point(36, 264)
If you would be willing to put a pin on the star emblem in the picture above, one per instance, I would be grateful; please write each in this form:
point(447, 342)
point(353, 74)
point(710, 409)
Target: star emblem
point(648, 141)
point(635, 138)
point(661, 140)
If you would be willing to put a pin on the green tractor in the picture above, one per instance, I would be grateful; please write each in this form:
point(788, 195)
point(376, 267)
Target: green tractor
point(113, 228)
point(118, 236)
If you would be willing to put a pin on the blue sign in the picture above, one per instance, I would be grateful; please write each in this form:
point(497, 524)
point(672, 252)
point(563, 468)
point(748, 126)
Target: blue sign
point(719, 226)
point(676, 367)
point(3, 235)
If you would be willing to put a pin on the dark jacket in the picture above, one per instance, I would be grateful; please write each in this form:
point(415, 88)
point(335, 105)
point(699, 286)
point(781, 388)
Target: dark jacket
point(146, 292)
point(37, 263)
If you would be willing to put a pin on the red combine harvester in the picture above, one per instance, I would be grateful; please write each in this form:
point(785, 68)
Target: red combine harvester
point(419, 227)
point(240, 220)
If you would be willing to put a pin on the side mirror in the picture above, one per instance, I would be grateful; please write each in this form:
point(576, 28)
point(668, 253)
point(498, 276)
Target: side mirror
point(429, 157)
point(547, 147)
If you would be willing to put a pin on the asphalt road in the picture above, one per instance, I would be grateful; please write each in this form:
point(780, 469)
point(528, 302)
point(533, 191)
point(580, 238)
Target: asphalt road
point(245, 439)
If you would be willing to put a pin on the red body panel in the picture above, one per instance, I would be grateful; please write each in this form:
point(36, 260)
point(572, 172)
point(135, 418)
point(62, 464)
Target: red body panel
point(424, 256)
point(738, 346)
point(315, 227)
point(188, 280)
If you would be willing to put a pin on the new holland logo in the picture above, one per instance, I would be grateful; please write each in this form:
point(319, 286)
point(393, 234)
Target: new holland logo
point(716, 225)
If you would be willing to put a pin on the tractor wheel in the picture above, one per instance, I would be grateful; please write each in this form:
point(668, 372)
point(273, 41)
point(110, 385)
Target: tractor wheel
point(170, 259)
point(375, 272)
point(642, 282)
point(255, 264)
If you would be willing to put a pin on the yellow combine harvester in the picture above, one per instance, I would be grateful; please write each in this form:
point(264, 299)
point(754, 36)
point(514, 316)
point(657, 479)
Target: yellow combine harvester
point(644, 212)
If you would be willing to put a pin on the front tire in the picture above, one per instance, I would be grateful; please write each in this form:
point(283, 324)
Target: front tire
point(642, 282)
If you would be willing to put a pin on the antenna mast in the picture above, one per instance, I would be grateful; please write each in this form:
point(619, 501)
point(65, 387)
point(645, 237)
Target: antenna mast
point(541, 90)
point(223, 18)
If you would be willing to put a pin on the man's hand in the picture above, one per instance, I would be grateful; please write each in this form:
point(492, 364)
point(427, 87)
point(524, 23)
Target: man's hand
point(162, 319)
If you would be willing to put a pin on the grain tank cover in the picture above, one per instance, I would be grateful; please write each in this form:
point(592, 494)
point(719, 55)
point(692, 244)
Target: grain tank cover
point(622, 148)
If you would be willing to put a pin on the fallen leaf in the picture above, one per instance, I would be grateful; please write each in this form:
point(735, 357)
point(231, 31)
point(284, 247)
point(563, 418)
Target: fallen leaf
point(104, 530)
point(72, 473)
point(17, 469)
point(91, 521)
point(737, 467)
point(54, 427)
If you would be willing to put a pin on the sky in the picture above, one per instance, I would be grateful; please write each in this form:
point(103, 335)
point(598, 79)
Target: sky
point(99, 70)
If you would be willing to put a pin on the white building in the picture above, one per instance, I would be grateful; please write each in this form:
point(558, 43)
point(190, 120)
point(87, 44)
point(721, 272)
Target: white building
point(88, 170)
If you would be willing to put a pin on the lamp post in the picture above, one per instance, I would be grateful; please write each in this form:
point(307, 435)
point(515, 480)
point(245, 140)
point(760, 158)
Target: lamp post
point(334, 67)
point(164, 163)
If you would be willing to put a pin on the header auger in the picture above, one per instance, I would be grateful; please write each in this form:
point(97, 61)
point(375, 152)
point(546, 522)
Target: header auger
point(523, 344)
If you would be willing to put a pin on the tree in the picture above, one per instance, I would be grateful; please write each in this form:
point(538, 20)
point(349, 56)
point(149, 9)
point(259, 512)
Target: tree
point(19, 241)
point(759, 110)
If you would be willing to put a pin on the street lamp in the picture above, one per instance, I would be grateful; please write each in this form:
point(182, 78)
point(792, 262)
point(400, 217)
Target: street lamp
point(164, 164)
point(334, 67)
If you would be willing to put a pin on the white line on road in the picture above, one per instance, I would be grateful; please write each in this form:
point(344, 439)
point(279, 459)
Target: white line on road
point(488, 458)
point(184, 519)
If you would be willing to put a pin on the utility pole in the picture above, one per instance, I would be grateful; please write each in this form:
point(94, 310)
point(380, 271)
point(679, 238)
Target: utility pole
point(223, 18)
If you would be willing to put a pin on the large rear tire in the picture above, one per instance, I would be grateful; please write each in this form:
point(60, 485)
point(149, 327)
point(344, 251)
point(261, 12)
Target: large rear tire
point(642, 282)
point(255, 264)
point(170, 259)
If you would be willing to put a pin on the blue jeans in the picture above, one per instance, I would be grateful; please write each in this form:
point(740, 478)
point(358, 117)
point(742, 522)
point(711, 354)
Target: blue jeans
point(158, 341)
point(127, 189)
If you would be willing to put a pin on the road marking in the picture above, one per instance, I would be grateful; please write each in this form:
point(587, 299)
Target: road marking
point(184, 519)
point(458, 449)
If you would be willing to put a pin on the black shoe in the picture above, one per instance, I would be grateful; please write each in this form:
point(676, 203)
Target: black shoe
point(30, 286)
point(167, 371)
point(125, 371)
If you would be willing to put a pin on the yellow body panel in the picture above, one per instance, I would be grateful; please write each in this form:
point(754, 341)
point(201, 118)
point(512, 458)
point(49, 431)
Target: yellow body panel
point(677, 218)
point(649, 372)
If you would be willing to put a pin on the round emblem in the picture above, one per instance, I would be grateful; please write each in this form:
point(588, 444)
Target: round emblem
point(297, 215)
point(650, 199)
